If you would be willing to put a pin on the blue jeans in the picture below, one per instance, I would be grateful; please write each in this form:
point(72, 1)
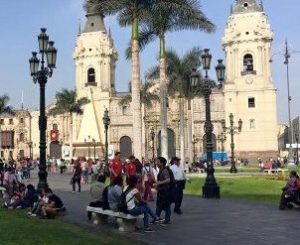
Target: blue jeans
point(143, 208)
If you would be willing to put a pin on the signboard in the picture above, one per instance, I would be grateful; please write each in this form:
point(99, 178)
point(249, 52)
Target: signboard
point(66, 152)
point(111, 152)
point(294, 146)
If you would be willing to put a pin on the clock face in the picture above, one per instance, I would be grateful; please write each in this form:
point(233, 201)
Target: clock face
point(249, 79)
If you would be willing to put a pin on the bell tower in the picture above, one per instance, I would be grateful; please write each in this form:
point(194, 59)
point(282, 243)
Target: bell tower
point(95, 62)
point(95, 58)
point(249, 90)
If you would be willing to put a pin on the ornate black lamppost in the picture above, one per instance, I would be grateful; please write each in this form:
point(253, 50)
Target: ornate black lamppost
point(297, 149)
point(194, 142)
point(232, 130)
point(106, 122)
point(47, 51)
point(222, 138)
point(152, 134)
point(94, 145)
point(210, 188)
point(30, 149)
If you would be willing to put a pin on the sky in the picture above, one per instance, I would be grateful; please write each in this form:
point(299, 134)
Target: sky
point(21, 20)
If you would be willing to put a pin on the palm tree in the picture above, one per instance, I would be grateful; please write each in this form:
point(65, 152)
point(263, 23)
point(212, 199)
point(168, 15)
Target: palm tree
point(67, 103)
point(166, 17)
point(4, 107)
point(179, 71)
point(129, 12)
point(147, 96)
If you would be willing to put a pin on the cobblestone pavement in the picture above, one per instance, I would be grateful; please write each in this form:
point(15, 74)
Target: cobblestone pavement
point(203, 222)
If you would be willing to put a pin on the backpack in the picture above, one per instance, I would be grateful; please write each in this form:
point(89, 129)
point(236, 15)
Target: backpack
point(172, 184)
point(122, 205)
point(105, 204)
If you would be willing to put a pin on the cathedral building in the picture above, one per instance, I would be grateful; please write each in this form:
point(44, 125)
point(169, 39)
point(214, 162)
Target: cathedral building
point(248, 93)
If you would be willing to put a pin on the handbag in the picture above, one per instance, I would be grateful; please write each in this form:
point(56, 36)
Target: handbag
point(72, 181)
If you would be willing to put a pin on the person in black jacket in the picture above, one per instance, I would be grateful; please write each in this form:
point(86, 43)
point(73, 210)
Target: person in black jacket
point(77, 176)
point(163, 186)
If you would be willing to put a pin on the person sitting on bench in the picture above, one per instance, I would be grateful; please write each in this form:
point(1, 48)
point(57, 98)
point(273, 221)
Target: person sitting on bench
point(114, 193)
point(136, 205)
point(96, 191)
point(291, 192)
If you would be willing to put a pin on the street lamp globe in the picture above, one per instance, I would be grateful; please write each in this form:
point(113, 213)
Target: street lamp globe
point(220, 70)
point(43, 39)
point(206, 59)
point(240, 123)
point(106, 119)
point(34, 63)
point(51, 55)
point(195, 78)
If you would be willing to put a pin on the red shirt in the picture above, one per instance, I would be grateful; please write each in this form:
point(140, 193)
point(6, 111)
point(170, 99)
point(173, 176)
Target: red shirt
point(116, 166)
point(131, 169)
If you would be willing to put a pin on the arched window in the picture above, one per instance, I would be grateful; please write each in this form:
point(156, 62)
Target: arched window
point(248, 64)
point(54, 126)
point(91, 75)
point(252, 124)
point(21, 137)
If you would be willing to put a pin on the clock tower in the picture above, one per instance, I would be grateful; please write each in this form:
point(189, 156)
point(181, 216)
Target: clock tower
point(249, 91)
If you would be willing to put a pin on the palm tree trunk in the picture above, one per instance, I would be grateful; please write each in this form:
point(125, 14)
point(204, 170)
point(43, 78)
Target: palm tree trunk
point(71, 136)
point(135, 88)
point(163, 101)
point(190, 132)
point(181, 130)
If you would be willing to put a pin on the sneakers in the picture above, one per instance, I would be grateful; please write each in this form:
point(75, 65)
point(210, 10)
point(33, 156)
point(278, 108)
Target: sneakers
point(148, 230)
point(165, 223)
point(33, 215)
point(156, 221)
point(29, 213)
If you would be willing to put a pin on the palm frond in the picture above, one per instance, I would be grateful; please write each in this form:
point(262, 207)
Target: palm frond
point(102, 7)
point(146, 36)
point(66, 102)
point(126, 100)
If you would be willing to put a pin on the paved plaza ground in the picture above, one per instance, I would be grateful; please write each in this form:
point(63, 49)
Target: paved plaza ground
point(203, 222)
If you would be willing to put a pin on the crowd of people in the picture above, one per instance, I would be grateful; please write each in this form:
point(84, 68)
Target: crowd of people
point(131, 185)
point(14, 194)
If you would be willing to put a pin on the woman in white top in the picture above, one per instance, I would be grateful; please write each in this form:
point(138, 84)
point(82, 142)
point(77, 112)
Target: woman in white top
point(136, 205)
point(149, 179)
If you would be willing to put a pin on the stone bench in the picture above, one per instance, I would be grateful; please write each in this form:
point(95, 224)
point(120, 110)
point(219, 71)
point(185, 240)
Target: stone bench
point(275, 170)
point(126, 222)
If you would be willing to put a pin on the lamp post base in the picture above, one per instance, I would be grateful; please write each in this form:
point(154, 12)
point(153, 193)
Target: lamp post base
point(290, 157)
point(211, 190)
point(233, 169)
point(42, 180)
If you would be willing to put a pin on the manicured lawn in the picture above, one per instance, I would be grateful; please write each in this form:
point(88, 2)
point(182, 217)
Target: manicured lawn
point(254, 189)
point(18, 229)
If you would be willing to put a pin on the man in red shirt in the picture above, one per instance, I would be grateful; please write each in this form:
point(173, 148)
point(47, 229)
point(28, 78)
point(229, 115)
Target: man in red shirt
point(115, 167)
point(131, 167)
